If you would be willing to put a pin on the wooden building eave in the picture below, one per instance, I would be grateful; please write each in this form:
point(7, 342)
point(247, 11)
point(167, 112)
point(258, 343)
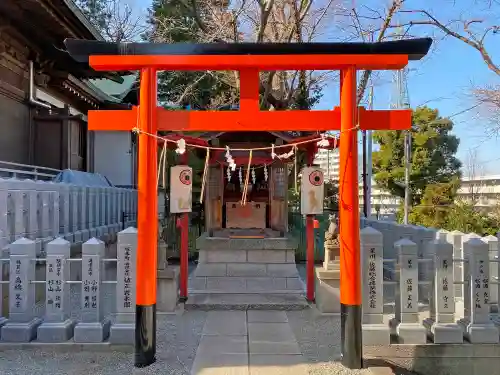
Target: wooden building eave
point(44, 24)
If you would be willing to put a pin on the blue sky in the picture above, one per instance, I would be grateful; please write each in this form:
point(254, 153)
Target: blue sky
point(442, 80)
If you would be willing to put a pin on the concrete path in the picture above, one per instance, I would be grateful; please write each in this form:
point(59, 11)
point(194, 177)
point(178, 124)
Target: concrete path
point(248, 343)
point(202, 343)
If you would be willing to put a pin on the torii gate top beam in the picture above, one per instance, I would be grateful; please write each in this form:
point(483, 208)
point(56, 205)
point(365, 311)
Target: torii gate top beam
point(248, 59)
point(241, 56)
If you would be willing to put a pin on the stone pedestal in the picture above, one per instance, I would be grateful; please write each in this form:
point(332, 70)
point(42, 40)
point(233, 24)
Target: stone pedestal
point(123, 331)
point(162, 255)
point(441, 326)
point(23, 323)
point(477, 326)
point(492, 242)
point(57, 325)
point(374, 331)
point(93, 327)
point(4, 270)
point(444, 333)
point(327, 290)
point(411, 333)
point(332, 255)
point(168, 289)
point(455, 238)
point(409, 329)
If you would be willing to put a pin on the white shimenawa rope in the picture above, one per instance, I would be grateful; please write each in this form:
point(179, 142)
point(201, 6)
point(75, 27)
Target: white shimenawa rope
point(203, 181)
point(272, 147)
point(161, 167)
point(247, 177)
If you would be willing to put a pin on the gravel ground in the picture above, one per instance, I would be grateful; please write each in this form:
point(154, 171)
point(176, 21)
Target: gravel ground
point(319, 340)
point(178, 338)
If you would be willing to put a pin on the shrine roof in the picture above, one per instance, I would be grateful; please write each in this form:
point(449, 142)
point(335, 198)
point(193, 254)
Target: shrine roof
point(81, 50)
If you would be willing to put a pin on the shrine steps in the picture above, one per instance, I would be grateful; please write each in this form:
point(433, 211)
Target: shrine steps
point(261, 301)
point(243, 286)
point(249, 273)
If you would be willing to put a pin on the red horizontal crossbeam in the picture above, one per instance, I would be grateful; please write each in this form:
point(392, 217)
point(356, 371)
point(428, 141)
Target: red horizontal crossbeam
point(321, 121)
point(241, 62)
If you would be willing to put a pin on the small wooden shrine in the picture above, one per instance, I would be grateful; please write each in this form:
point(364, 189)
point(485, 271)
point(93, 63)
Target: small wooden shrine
point(271, 173)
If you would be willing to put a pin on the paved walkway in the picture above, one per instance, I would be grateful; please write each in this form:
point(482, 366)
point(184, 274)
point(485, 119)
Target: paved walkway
point(248, 343)
point(202, 343)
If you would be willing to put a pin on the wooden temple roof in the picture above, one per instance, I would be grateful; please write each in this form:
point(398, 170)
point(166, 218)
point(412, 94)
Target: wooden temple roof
point(45, 24)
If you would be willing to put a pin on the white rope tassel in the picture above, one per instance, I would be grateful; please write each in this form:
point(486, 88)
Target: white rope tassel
point(253, 176)
point(295, 173)
point(247, 177)
point(204, 179)
point(181, 146)
point(229, 159)
point(273, 154)
point(164, 173)
point(324, 142)
point(265, 173)
point(161, 166)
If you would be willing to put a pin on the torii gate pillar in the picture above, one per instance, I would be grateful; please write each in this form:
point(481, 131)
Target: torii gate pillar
point(350, 266)
point(147, 222)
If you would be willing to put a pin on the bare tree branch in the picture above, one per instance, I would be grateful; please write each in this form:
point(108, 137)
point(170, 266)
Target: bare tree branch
point(472, 40)
point(260, 21)
point(393, 9)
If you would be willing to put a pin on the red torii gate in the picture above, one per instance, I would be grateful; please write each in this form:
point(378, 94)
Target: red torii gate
point(248, 59)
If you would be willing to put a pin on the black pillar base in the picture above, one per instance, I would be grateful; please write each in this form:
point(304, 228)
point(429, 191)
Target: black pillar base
point(145, 335)
point(351, 336)
point(183, 299)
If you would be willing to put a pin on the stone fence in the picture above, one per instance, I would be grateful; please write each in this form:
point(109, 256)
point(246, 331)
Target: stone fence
point(442, 286)
point(94, 310)
point(41, 211)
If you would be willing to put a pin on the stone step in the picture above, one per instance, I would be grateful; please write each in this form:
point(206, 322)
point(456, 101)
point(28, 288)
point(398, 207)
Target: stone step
point(261, 291)
point(236, 284)
point(246, 270)
point(260, 301)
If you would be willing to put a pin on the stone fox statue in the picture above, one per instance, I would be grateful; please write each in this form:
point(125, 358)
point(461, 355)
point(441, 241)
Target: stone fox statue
point(332, 233)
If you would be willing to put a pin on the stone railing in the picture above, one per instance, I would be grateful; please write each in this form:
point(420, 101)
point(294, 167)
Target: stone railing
point(42, 211)
point(444, 285)
point(94, 310)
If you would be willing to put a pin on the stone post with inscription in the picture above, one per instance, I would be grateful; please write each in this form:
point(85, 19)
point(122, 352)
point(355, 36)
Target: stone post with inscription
point(477, 326)
point(375, 332)
point(84, 213)
point(64, 211)
point(57, 325)
point(455, 238)
point(426, 269)
point(93, 327)
point(441, 326)
point(3, 275)
point(492, 242)
point(442, 234)
point(466, 272)
point(409, 329)
point(123, 331)
point(23, 323)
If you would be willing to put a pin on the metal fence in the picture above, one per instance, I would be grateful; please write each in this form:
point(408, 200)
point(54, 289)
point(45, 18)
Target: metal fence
point(297, 227)
point(32, 172)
